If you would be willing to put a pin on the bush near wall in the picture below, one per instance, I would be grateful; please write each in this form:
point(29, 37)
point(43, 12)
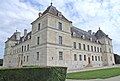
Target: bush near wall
point(33, 74)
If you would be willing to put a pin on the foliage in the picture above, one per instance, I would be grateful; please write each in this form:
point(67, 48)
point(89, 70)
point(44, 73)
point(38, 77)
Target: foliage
point(33, 74)
point(1, 62)
point(117, 59)
point(94, 74)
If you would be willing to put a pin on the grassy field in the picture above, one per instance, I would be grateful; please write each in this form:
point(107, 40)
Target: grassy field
point(94, 74)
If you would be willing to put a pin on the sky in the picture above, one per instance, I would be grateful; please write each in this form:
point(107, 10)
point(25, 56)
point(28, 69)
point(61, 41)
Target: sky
point(84, 14)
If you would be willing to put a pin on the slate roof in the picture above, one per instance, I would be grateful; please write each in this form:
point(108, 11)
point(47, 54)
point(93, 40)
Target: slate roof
point(99, 34)
point(13, 37)
point(80, 33)
point(76, 32)
point(52, 10)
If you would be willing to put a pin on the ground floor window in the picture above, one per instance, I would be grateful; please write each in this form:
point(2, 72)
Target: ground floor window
point(75, 57)
point(84, 57)
point(60, 55)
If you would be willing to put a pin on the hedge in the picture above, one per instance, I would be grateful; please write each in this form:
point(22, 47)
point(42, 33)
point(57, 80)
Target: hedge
point(33, 74)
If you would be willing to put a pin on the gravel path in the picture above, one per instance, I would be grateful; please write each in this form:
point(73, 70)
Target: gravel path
point(117, 78)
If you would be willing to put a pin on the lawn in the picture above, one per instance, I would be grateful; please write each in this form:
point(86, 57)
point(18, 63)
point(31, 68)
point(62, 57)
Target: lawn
point(94, 74)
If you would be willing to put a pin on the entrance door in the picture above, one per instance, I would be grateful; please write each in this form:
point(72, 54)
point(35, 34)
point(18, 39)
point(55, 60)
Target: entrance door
point(88, 60)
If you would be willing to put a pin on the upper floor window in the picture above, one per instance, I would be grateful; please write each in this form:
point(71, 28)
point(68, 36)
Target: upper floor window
point(88, 47)
point(25, 48)
point(98, 49)
point(28, 47)
point(60, 55)
point(37, 55)
point(59, 25)
point(60, 39)
point(38, 39)
point(109, 50)
point(92, 58)
point(79, 45)
point(38, 26)
point(84, 46)
point(75, 57)
point(74, 44)
point(95, 48)
point(91, 48)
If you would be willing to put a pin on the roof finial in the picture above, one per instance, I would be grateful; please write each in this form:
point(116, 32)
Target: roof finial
point(99, 28)
point(51, 2)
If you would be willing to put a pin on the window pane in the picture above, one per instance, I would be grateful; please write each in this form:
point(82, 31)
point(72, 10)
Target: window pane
point(38, 26)
point(84, 46)
point(60, 39)
point(79, 45)
point(59, 25)
point(80, 57)
point(38, 39)
point(74, 43)
point(37, 55)
point(84, 57)
point(75, 57)
point(60, 55)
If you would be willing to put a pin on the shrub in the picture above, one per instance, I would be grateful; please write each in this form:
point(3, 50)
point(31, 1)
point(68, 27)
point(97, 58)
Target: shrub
point(33, 74)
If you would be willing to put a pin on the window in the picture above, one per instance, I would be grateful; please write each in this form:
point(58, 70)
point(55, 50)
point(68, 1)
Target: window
point(111, 58)
point(22, 48)
point(37, 55)
point(92, 58)
point(38, 39)
point(59, 25)
point(98, 49)
point(75, 57)
point(84, 57)
point(24, 58)
point(101, 58)
point(95, 48)
point(60, 39)
point(96, 58)
point(91, 48)
point(80, 57)
point(109, 50)
point(79, 45)
point(38, 26)
point(88, 47)
point(60, 55)
point(27, 58)
point(74, 43)
point(84, 46)
point(27, 47)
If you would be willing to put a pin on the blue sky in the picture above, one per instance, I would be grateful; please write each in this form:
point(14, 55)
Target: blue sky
point(85, 14)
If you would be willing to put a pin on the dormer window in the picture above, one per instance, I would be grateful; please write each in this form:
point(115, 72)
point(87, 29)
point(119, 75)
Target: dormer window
point(83, 36)
point(59, 25)
point(60, 14)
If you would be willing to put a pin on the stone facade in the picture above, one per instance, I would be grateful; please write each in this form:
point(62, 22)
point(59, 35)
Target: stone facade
point(53, 41)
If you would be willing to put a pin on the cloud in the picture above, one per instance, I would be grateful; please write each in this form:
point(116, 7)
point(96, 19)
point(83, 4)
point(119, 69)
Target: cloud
point(85, 14)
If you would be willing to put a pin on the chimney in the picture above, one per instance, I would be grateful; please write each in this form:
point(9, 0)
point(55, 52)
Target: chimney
point(25, 32)
point(17, 35)
point(93, 33)
point(90, 31)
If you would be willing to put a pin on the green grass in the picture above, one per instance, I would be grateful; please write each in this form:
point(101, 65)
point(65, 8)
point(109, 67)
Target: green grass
point(94, 74)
